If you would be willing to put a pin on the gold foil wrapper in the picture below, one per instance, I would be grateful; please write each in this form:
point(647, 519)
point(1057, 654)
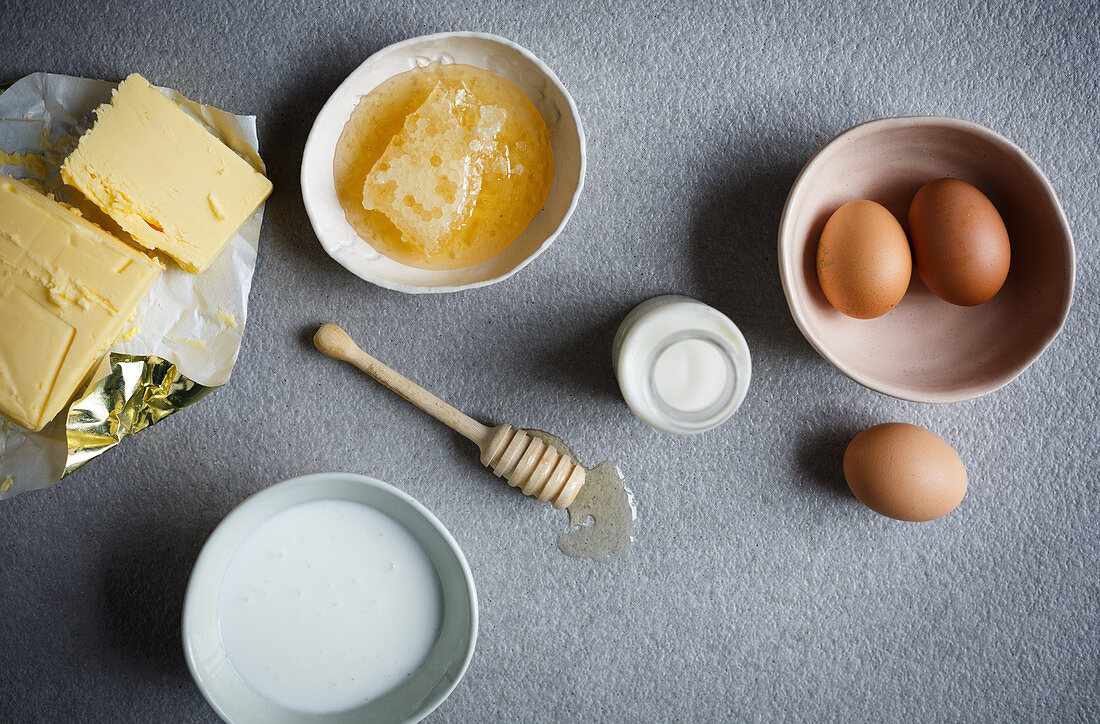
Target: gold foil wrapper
point(137, 391)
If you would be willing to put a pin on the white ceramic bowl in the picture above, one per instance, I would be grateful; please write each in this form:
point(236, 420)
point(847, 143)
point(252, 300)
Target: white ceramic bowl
point(492, 53)
point(414, 699)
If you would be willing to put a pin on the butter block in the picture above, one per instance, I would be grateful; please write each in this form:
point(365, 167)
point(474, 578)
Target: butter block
point(67, 287)
point(429, 176)
point(164, 178)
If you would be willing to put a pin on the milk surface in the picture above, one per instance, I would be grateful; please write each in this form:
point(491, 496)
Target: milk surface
point(327, 605)
point(690, 375)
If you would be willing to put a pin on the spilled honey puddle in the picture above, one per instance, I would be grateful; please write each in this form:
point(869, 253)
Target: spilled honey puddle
point(601, 518)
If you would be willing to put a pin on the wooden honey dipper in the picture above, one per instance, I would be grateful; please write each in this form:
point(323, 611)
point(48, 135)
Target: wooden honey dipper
point(526, 462)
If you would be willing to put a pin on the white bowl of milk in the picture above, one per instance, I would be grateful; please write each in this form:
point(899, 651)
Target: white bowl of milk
point(330, 597)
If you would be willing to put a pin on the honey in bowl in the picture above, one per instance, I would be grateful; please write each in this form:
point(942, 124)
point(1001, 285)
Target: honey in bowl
point(443, 166)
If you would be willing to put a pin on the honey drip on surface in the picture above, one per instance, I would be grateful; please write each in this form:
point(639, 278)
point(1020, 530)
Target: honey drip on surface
point(604, 499)
point(443, 167)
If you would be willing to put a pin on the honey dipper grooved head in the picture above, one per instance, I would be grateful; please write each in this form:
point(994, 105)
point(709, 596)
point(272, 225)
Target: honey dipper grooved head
point(537, 469)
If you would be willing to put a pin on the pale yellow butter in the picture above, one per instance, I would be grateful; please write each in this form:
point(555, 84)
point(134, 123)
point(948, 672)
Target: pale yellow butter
point(32, 162)
point(163, 177)
point(66, 290)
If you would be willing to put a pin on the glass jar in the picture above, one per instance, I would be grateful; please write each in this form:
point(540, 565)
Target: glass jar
point(683, 367)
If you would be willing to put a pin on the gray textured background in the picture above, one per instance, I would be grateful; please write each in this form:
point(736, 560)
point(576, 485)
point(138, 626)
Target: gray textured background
point(758, 588)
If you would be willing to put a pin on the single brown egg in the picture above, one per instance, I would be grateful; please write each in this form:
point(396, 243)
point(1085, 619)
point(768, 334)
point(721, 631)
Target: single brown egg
point(905, 472)
point(863, 260)
point(960, 244)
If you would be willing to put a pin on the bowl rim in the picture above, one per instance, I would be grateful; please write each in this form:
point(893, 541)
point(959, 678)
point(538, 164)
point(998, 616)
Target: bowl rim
point(786, 269)
point(285, 488)
point(312, 143)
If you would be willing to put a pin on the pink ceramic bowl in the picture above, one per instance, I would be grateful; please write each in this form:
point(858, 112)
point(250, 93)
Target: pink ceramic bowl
point(926, 349)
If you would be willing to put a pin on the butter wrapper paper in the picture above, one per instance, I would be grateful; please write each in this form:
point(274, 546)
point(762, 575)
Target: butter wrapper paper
point(184, 337)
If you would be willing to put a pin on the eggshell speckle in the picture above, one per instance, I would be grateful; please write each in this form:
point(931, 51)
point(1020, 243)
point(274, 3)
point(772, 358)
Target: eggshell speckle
point(905, 472)
point(863, 260)
point(960, 244)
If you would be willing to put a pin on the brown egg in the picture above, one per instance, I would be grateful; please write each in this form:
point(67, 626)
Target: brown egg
point(960, 244)
point(863, 260)
point(905, 472)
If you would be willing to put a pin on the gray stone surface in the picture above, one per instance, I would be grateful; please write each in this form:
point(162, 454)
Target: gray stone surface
point(758, 587)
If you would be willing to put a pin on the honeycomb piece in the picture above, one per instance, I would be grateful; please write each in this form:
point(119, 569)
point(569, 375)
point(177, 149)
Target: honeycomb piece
point(428, 179)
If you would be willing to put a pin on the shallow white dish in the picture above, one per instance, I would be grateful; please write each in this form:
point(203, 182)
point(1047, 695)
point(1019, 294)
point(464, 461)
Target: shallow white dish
point(493, 53)
point(411, 701)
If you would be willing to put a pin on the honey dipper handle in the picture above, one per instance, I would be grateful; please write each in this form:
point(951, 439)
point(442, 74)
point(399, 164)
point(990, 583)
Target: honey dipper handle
point(336, 343)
